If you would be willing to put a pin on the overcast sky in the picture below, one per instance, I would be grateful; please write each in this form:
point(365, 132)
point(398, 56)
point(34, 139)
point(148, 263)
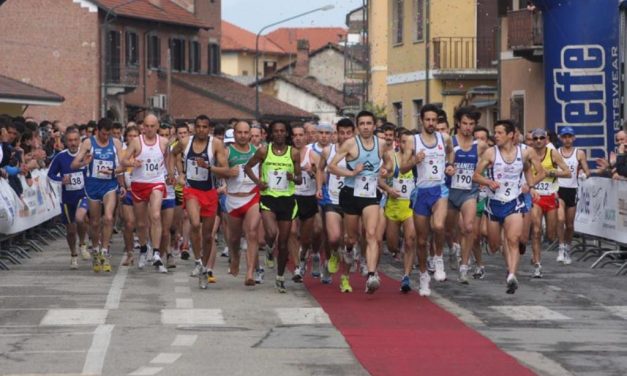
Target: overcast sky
point(255, 14)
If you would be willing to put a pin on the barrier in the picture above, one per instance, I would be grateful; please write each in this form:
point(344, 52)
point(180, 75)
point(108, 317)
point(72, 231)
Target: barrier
point(602, 209)
point(39, 203)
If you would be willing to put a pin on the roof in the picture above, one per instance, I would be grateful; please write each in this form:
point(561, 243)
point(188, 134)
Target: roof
point(286, 37)
point(224, 99)
point(235, 38)
point(329, 46)
point(312, 86)
point(169, 12)
point(19, 92)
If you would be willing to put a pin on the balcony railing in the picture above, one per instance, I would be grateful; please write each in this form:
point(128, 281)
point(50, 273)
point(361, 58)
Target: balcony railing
point(356, 61)
point(463, 53)
point(524, 29)
point(122, 75)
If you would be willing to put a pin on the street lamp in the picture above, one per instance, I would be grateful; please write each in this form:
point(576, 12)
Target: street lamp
point(321, 9)
point(105, 38)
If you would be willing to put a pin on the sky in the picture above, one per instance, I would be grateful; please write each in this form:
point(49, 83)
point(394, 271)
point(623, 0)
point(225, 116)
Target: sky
point(255, 14)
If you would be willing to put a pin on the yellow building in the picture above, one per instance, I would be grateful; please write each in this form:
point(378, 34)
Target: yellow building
point(378, 40)
point(458, 37)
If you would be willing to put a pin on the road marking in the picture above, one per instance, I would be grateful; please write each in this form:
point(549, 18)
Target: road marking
point(537, 361)
point(98, 350)
point(62, 317)
point(166, 358)
point(182, 290)
point(530, 313)
point(463, 314)
point(555, 288)
point(620, 311)
point(302, 316)
point(184, 340)
point(183, 303)
point(146, 371)
point(115, 291)
point(192, 317)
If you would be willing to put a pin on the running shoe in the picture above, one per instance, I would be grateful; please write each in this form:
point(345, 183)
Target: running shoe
point(315, 266)
point(372, 284)
point(225, 252)
point(560, 254)
point(106, 264)
point(326, 276)
point(424, 281)
point(279, 284)
point(269, 258)
point(463, 274)
point(567, 259)
point(129, 259)
point(143, 259)
point(95, 264)
point(197, 269)
point(430, 265)
point(162, 269)
point(537, 271)
point(334, 263)
point(203, 279)
point(185, 254)
point(479, 273)
point(453, 256)
point(74, 262)
point(156, 259)
point(512, 284)
point(85, 255)
point(363, 267)
point(348, 256)
point(440, 274)
point(259, 274)
point(298, 275)
point(210, 277)
point(405, 284)
point(345, 285)
point(149, 253)
point(170, 262)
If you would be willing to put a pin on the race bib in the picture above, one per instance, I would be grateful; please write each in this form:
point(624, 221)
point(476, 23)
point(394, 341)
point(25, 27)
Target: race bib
point(366, 186)
point(505, 193)
point(336, 183)
point(104, 169)
point(544, 188)
point(151, 168)
point(277, 180)
point(76, 181)
point(403, 186)
point(196, 173)
point(434, 171)
point(242, 177)
point(462, 179)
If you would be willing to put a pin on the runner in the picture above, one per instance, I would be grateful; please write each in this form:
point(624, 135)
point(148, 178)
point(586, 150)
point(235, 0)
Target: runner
point(181, 220)
point(545, 202)
point(575, 158)
point(432, 153)
point(73, 202)
point(100, 154)
point(504, 207)
point(167, 208)
point(242, 204)
point(463, 192)
point(399, 215)
point(195, 158)
point(280, 170)
point(329, 187)
point(360, 198)
point(481, 221)
point(147, 155)
point(131, 133)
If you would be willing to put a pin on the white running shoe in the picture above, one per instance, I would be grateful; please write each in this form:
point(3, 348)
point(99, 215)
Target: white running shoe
point(372, 284)
point(85, 255)
point(143, 258)
point(454, 255)
point(440, 274)
point(423, 288)
point(537, 271)
point(74, 263)
point(463, 274)
point(197, 269)
point(567, 259)
point(363, 267)
point(560, 254)
point(162, 269)
point(259, 274)
point(156, 259)
point(225, 252)
point(430, 265)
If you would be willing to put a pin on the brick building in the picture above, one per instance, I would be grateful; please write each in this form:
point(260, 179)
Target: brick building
point(111, 56)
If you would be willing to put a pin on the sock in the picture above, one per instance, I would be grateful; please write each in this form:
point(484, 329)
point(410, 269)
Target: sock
point(155, 251)
point(370, 274)
point(143, 248)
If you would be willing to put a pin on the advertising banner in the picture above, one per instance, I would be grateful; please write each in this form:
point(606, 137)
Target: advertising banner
point(602, 209)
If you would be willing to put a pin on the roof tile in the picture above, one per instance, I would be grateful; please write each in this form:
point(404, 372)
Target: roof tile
point(14, 89)
point(235, 38)
point(169, 12)
point(286, 37)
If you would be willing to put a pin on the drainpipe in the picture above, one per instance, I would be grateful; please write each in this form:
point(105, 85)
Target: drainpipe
point(427, 51)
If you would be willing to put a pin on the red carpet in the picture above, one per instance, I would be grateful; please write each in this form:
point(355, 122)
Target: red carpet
point(395, 334)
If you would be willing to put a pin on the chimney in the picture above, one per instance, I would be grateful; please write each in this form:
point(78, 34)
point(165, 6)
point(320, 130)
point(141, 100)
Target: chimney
point(302, 58)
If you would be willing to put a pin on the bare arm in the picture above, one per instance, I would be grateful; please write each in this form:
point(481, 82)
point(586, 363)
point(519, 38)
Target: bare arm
point(387, 170)
point(257, 158)
point(408, 158)
point(484, 161)
point(222, 168)
point(340, 154)
point(564, 171)
point(583, 162)
point(131, 152)
point(322, 165)
point(83, 157)
point(530, 158)
point(298, 177)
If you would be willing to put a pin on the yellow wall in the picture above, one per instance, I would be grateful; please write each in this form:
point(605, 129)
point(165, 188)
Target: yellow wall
point(11, 109)
point(378, 38)
point(235, 63)
point(229, 63)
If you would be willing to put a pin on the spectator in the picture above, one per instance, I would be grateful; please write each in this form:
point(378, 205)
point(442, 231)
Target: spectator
point(621, 159)
point(605, 167)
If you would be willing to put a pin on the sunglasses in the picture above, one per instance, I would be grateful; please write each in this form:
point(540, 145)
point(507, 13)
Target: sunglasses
point(539, 138)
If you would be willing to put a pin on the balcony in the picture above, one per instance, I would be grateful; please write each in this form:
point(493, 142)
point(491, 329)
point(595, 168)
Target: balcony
point(356, 61)
point(525, 34)
point(121, 78)
point(464, 58)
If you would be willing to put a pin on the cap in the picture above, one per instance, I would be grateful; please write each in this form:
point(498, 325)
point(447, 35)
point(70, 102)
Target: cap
point(567, 130)
point(325, 127)
point(229, 136)
point(538, 132)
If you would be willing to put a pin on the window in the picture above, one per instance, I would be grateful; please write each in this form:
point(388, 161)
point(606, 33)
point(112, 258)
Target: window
point(398, 113)
point(269, 67)
point(244, 73)
point(418, 103)
point(419, 14)
point(214, 58)
point(132, 49)
point(113, 56)
point(397, 23)
point(194, 57)
point(177, 53)
point(517, 111)
point(154, 52)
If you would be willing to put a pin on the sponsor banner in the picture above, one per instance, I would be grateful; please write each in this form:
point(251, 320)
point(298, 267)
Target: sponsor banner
point(602, 209)
point(582, 70)
point(40, 201)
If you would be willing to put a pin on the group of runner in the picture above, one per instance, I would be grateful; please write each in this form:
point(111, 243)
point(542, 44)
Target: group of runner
point(332, 194)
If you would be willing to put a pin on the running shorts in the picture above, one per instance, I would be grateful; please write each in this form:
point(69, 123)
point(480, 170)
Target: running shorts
point(569, 196)
point(458, 197)
point(481, 207)
point(398, 210)
point(423, 199)
point(547, 202)
point(307, 207)
point(352, 205)
point(69, 209)
point(333, 208)
point(169, 203)
point(95, 190)
point(127, 199)
point(498, 210)
point(237, 206)
point(141, 191)
point(208, 200)
point(284, 208)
